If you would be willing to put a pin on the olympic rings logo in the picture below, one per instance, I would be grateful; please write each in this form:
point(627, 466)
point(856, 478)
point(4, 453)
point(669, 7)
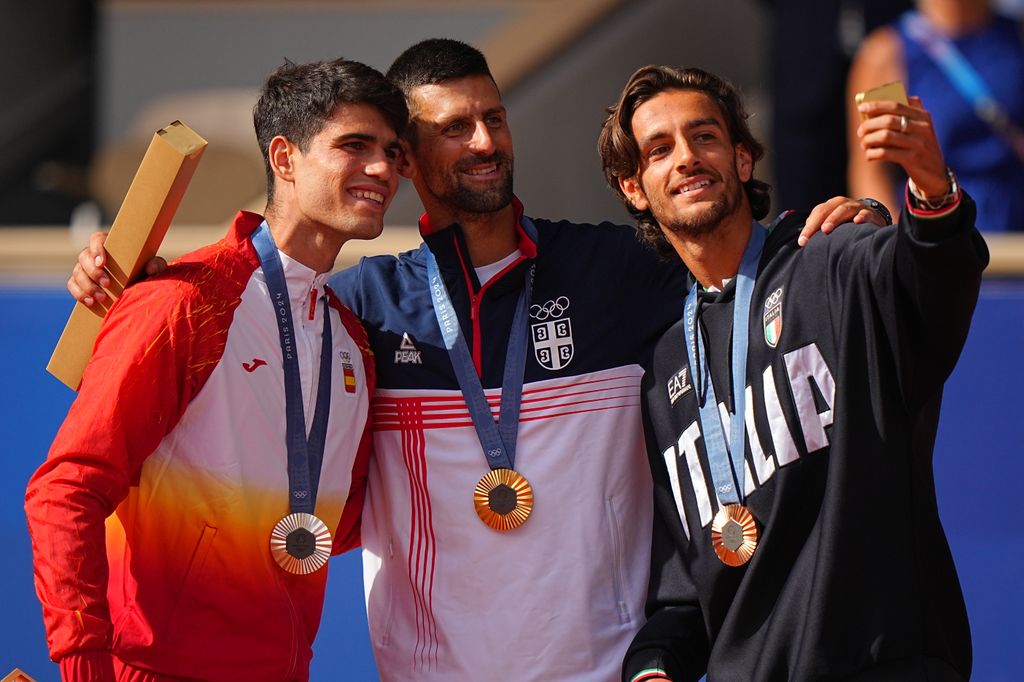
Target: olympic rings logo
point(553, 308)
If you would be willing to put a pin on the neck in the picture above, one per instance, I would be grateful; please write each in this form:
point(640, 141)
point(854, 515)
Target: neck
point(489, 236)
point(715, 257)
point(315, 246)
point(954, 17)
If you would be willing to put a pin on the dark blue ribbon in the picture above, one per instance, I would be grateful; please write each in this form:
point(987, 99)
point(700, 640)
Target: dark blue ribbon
point(305, 455)
point(726, 461)
point(498, 440)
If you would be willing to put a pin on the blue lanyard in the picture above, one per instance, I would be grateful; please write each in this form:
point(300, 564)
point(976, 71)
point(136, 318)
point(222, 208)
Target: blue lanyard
point(726, 475)
point(305, 456)
point(498, 440)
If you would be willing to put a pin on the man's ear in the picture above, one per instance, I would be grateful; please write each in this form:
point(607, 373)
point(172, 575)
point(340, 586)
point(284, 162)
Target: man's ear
point(280, 153)
point(407, 163)
point(744, 163)
point(634, 192)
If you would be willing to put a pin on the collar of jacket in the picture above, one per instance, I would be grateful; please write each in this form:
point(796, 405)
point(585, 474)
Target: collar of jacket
point(449, 247)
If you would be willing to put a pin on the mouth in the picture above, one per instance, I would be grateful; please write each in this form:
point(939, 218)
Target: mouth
point(691, 186)
point(368, 195)
point(482, 170)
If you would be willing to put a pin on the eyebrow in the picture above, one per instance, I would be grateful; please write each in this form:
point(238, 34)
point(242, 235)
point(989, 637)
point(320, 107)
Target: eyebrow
point(690, 125)
point(365, 137)
point(446, 121)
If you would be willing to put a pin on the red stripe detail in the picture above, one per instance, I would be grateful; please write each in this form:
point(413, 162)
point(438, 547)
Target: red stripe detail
point(388, 415)
point(560, 389)
point(930, 213)
point(474, 308)
point(379, 426)
point(422, 542)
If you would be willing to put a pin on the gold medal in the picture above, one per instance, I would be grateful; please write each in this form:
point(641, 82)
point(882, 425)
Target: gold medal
point(503, 499)
point(734, 534)
point(300, 543)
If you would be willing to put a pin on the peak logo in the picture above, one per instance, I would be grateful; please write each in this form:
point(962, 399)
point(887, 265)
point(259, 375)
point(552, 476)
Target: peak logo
point(407, 353)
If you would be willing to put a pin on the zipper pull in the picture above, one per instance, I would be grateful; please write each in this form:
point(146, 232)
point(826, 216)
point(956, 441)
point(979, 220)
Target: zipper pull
point(312, 302)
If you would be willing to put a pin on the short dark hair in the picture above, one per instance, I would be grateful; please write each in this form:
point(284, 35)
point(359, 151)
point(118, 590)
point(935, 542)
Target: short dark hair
point(620, 154)
point(433, 61)
point(297, 99)
point(436, 60)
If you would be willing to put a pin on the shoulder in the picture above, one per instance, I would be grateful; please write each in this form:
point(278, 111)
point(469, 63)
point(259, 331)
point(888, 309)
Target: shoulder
point(879, 59)
point(206, 281)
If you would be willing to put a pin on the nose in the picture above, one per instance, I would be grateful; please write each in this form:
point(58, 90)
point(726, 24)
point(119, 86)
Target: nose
point(381, 167)
point(684, 159)
point(481, 142)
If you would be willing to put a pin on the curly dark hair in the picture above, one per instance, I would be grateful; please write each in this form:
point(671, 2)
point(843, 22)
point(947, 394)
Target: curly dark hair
point(620, 154)
point(297, 99)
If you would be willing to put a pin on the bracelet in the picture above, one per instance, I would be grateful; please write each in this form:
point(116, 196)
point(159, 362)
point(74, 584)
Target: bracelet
point(878, 207)
point(922, 202)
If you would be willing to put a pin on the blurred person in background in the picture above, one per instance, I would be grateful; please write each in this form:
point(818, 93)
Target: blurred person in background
point(967, 63)
point(811, 43)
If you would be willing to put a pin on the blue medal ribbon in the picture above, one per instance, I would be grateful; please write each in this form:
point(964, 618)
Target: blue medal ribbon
point(305, 455)
point(498, 440)
point(725, 462)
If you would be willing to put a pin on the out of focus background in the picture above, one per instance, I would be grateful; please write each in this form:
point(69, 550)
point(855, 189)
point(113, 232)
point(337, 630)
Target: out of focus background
point(86, 83)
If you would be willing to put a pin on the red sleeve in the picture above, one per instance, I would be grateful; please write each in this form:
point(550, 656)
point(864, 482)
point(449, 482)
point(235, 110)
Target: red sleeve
point(156, 348)
point(347, 535)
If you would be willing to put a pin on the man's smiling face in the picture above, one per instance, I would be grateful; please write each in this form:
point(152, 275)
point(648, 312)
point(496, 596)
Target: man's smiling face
point(346, 177)
point(463, 146)
point(691, 173)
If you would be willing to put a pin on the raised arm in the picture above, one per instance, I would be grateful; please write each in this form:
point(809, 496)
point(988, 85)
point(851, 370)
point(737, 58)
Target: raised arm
point(879, 60)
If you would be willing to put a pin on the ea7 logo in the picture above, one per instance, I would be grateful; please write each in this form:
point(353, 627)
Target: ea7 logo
point(773, 318)
point(552, 336)
point(678, 385)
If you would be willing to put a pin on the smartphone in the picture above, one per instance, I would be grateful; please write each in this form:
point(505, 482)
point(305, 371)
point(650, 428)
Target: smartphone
point(893, 92)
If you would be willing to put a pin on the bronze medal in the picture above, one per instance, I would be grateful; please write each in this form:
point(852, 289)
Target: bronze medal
point(503, 499)
point(734, 534)
point(300, 543)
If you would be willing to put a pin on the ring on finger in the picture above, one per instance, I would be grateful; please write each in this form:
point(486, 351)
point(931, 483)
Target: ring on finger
point(903, 124)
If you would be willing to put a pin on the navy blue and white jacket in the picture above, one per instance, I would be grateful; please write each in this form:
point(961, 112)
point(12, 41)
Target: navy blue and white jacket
point(850, 341)
point(561, 596)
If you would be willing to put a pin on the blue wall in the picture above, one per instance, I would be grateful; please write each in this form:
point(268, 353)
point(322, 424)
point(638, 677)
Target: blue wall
point(978, 464)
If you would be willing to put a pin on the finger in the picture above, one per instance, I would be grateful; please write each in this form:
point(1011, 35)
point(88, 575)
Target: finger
point(96, 250)
point(83, 287)
point(91, 267)
point(866, 215)
point(816, 219)
point(79, 295)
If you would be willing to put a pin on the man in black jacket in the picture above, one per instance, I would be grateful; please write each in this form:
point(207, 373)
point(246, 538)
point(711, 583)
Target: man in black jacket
point(790, 415)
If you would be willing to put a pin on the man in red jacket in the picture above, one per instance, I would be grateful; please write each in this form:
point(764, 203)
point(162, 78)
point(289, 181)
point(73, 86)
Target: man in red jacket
point(181, 524)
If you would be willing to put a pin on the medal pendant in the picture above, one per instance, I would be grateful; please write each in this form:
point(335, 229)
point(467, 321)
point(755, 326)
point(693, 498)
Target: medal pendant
point(300, 543)
point(734, 534)
point(503, 499)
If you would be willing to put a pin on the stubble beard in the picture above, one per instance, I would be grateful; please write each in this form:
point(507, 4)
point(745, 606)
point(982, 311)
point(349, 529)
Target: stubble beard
point(470, 200)
point(703, 222)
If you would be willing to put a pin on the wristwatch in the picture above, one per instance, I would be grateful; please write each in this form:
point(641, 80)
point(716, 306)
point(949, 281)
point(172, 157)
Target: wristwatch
point(878, 207)
point(920, 201)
